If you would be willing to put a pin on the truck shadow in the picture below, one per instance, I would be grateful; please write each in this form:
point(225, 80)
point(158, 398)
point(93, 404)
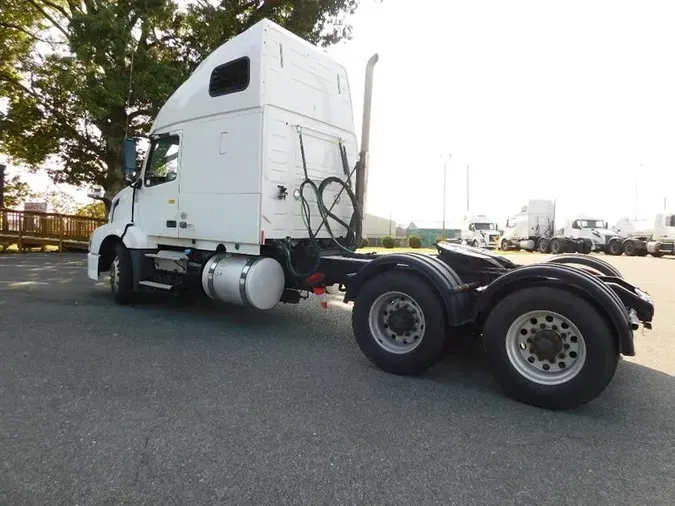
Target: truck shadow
point(636, 392)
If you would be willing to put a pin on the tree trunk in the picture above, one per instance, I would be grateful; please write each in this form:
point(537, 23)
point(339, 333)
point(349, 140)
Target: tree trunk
point(114, 179)
point(113, 133)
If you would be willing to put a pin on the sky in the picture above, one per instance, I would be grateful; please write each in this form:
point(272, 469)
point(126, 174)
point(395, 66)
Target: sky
point(573, 101)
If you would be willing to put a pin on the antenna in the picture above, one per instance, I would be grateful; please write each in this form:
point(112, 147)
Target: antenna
point(131, 76)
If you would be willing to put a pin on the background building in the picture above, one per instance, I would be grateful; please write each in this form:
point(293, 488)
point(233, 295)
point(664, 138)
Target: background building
point(428, 231)
point(376, 227)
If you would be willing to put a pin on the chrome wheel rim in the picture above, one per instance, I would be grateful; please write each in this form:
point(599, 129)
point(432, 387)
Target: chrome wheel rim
point(115, 274)
point(397, 322)
point(545, 347)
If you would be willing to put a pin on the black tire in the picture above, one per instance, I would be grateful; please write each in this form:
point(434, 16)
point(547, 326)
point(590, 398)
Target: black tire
point(474, 243)
point(614, 248)
point(123, 292)
point(586, 246)
point(629, 248)
point(641, 252)
point(432, 344)
point(556, 247)
point(544, 245)
point(601, 352)
point(657, 253)
point(504, 246)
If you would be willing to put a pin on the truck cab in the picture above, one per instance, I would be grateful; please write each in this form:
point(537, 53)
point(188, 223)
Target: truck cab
point(589, 227)
point(530, 226)
point(664, 227)
point(480, 232)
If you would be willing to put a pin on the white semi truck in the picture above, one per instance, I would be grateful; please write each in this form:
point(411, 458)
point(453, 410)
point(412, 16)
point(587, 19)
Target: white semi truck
point(639, 238)
point(533, 229)
point(479, 231)
point(252, 192)
point(592, 229)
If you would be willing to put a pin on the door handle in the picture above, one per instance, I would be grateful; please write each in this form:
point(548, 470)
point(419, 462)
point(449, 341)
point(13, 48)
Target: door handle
point(170, 224)
point(183, 224)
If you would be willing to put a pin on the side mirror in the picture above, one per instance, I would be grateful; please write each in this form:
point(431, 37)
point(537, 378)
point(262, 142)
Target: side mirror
point(129, 159)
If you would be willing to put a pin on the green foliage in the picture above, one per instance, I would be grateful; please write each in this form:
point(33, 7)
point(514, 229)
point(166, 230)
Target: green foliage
point(415, 241)
point(93, 210)
point(440, 238)
point(17, 192)
point(388, 242)
point(58, 201)
point(68, 105)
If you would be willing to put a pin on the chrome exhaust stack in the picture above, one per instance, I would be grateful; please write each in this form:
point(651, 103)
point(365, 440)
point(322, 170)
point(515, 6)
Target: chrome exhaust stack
point(362, 165)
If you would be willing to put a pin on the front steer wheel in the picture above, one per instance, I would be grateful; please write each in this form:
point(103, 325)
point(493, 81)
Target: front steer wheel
point(550, 348)
point(399, 323)
point(122, 276)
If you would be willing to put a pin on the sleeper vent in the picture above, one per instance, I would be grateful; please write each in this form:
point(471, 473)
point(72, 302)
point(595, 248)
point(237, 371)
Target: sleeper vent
point(230, 77)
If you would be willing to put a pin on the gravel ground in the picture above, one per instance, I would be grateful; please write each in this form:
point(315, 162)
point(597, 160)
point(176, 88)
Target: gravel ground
point(167, 403)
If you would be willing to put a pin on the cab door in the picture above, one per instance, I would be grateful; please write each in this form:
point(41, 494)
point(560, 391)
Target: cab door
point(157, 198)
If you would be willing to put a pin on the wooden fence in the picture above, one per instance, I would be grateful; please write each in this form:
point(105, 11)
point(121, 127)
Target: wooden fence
point(30, 229)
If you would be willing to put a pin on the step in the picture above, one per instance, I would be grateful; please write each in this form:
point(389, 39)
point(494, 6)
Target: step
point(155, 284)
point(168, 255)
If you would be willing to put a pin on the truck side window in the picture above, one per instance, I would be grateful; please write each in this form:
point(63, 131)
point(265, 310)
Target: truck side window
point(230, 77)
point(163, 163)
point(670, 221)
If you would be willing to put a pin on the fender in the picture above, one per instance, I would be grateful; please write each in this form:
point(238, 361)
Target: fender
point(101, 247)
point(132, 237)
point(566, 277)
point(444, 280)
point(595, 263)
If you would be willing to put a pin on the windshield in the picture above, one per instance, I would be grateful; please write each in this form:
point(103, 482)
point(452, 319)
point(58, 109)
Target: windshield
point(592, 223)
point(484, 226)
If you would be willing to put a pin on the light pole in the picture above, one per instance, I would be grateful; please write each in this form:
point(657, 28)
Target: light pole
point(445, 178)
point(636, 194)
point(467, 188)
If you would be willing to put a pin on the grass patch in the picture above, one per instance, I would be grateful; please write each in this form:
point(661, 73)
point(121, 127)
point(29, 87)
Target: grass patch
point(418, 250)
point(14, 248)
point(396, 250)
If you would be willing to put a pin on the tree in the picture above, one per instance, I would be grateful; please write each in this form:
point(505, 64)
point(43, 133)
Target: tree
point(72, 103)
point(93, 210)
point(17, 192)
point(59, 201)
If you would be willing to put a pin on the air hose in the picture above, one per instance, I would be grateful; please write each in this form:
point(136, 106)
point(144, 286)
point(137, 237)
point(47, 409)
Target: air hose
point(325, 213)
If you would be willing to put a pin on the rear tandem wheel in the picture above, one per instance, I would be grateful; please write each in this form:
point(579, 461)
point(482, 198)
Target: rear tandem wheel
point(399, 323)
point(549, 348)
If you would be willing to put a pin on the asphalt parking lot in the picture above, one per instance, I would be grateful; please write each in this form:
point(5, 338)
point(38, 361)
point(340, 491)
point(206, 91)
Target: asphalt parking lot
point(172, 403)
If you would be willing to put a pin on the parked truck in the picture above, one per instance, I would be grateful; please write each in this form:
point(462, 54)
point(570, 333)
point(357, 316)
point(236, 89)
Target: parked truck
point(639, 238)
point(479, 231)
point(592, 229)
point(533, 229)
point(252, 191)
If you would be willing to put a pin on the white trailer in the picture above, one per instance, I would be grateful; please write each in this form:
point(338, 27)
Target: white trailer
point(639, 238)
point(479, 231)
point(252, 193)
